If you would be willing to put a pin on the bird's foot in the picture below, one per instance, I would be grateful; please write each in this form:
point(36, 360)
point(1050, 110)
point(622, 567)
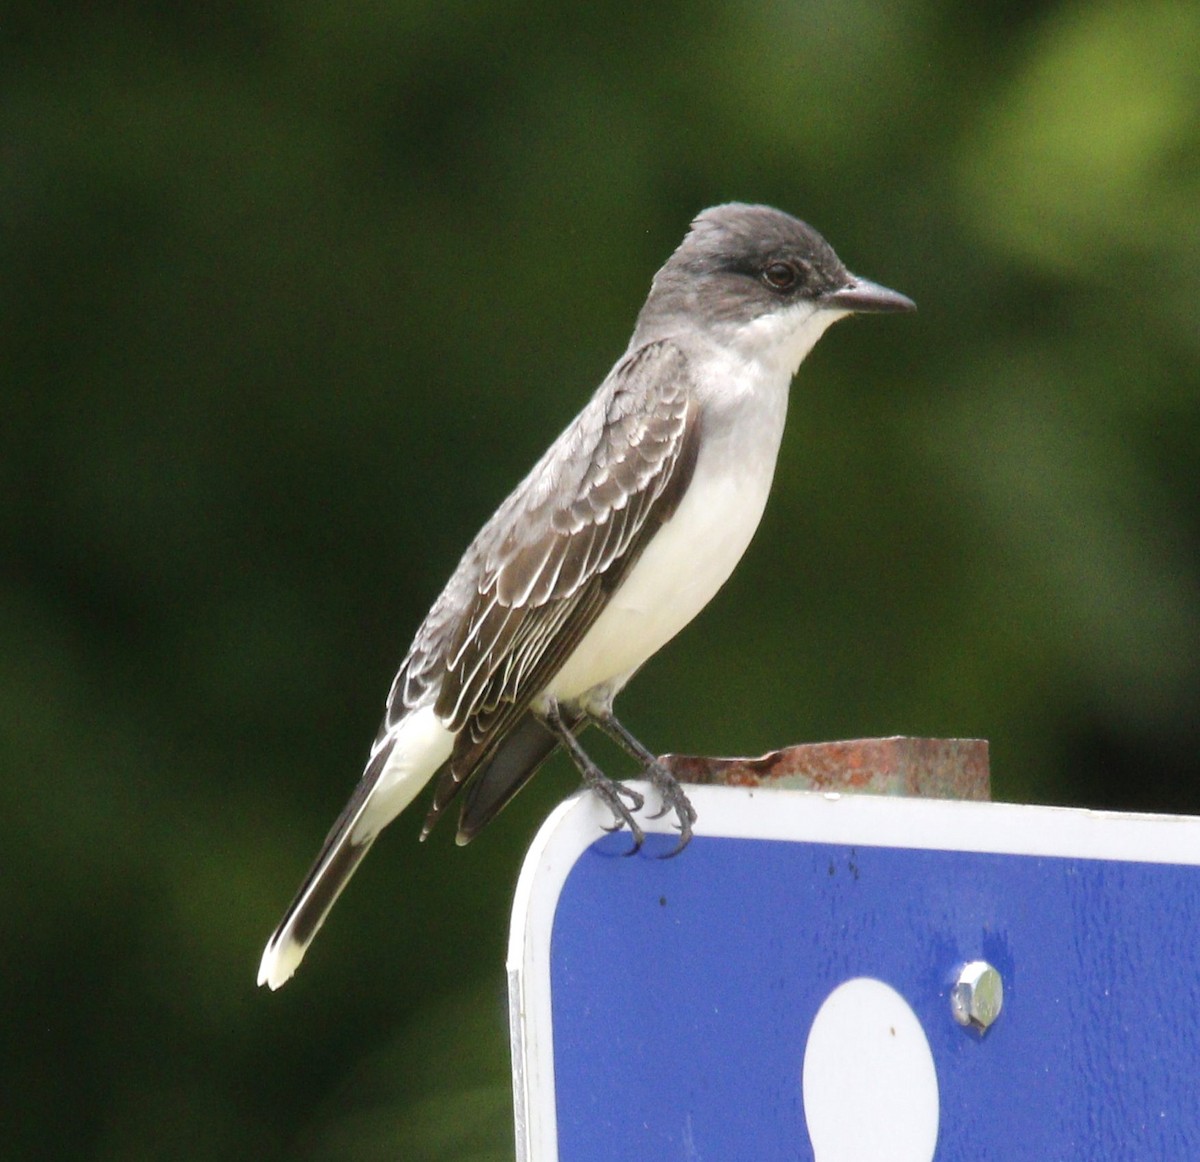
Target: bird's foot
point(675, 799)
point(662, 780)
point(614, 795)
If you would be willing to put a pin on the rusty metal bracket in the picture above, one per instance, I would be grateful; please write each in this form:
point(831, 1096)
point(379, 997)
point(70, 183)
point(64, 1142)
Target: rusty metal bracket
point(930, 768)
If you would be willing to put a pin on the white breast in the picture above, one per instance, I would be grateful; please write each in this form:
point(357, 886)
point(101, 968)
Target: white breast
point(694, 553)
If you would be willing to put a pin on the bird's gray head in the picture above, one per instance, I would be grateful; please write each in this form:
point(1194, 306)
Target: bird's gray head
point(755, 276)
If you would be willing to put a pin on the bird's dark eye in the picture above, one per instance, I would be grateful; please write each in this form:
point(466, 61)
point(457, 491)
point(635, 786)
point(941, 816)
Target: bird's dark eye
point(781, 276)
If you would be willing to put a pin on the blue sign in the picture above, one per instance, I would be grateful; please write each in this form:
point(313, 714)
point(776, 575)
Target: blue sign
point(782, 989)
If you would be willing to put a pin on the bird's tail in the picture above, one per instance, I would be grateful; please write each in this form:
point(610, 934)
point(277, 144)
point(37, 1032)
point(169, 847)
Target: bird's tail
point(403, 761)
point(340, 854)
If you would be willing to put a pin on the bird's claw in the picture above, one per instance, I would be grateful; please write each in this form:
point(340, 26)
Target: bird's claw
point(611, 793)
point(674, 799)
point(624, 801)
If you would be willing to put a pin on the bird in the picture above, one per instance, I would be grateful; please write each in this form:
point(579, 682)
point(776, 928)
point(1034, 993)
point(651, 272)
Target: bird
point(620, 534)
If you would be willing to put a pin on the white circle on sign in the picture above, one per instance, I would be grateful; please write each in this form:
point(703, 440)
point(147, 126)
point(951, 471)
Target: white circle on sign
point(870, 1086)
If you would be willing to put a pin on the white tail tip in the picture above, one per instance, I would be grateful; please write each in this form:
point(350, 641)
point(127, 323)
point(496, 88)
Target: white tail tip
point(280, 959)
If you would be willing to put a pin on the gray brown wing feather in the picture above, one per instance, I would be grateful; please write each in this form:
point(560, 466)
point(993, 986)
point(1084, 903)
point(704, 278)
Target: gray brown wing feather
point(540, 572)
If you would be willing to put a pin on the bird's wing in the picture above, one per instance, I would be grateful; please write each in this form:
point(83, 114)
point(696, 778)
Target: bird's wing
point(544, 567)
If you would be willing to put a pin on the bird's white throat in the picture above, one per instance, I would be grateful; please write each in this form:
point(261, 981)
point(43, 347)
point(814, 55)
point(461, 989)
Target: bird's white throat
point(780, 340)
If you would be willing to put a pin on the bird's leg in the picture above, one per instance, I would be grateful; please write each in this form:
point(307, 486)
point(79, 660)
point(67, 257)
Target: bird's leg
point(611, 793)
point(661, 779)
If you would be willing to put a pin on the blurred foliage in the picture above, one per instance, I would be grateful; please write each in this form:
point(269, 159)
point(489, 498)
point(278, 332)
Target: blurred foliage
point(290, 295)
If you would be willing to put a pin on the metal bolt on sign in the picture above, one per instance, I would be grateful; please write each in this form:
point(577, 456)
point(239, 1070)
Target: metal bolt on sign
point(977, 996)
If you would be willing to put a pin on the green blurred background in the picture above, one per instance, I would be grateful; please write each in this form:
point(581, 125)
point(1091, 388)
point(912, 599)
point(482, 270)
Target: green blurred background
point(292, 294)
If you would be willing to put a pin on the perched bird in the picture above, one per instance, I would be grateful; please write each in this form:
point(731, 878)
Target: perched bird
point(618, 537)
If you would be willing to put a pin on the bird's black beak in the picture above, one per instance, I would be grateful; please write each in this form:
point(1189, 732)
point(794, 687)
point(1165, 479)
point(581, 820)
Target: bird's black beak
point(860, 294)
